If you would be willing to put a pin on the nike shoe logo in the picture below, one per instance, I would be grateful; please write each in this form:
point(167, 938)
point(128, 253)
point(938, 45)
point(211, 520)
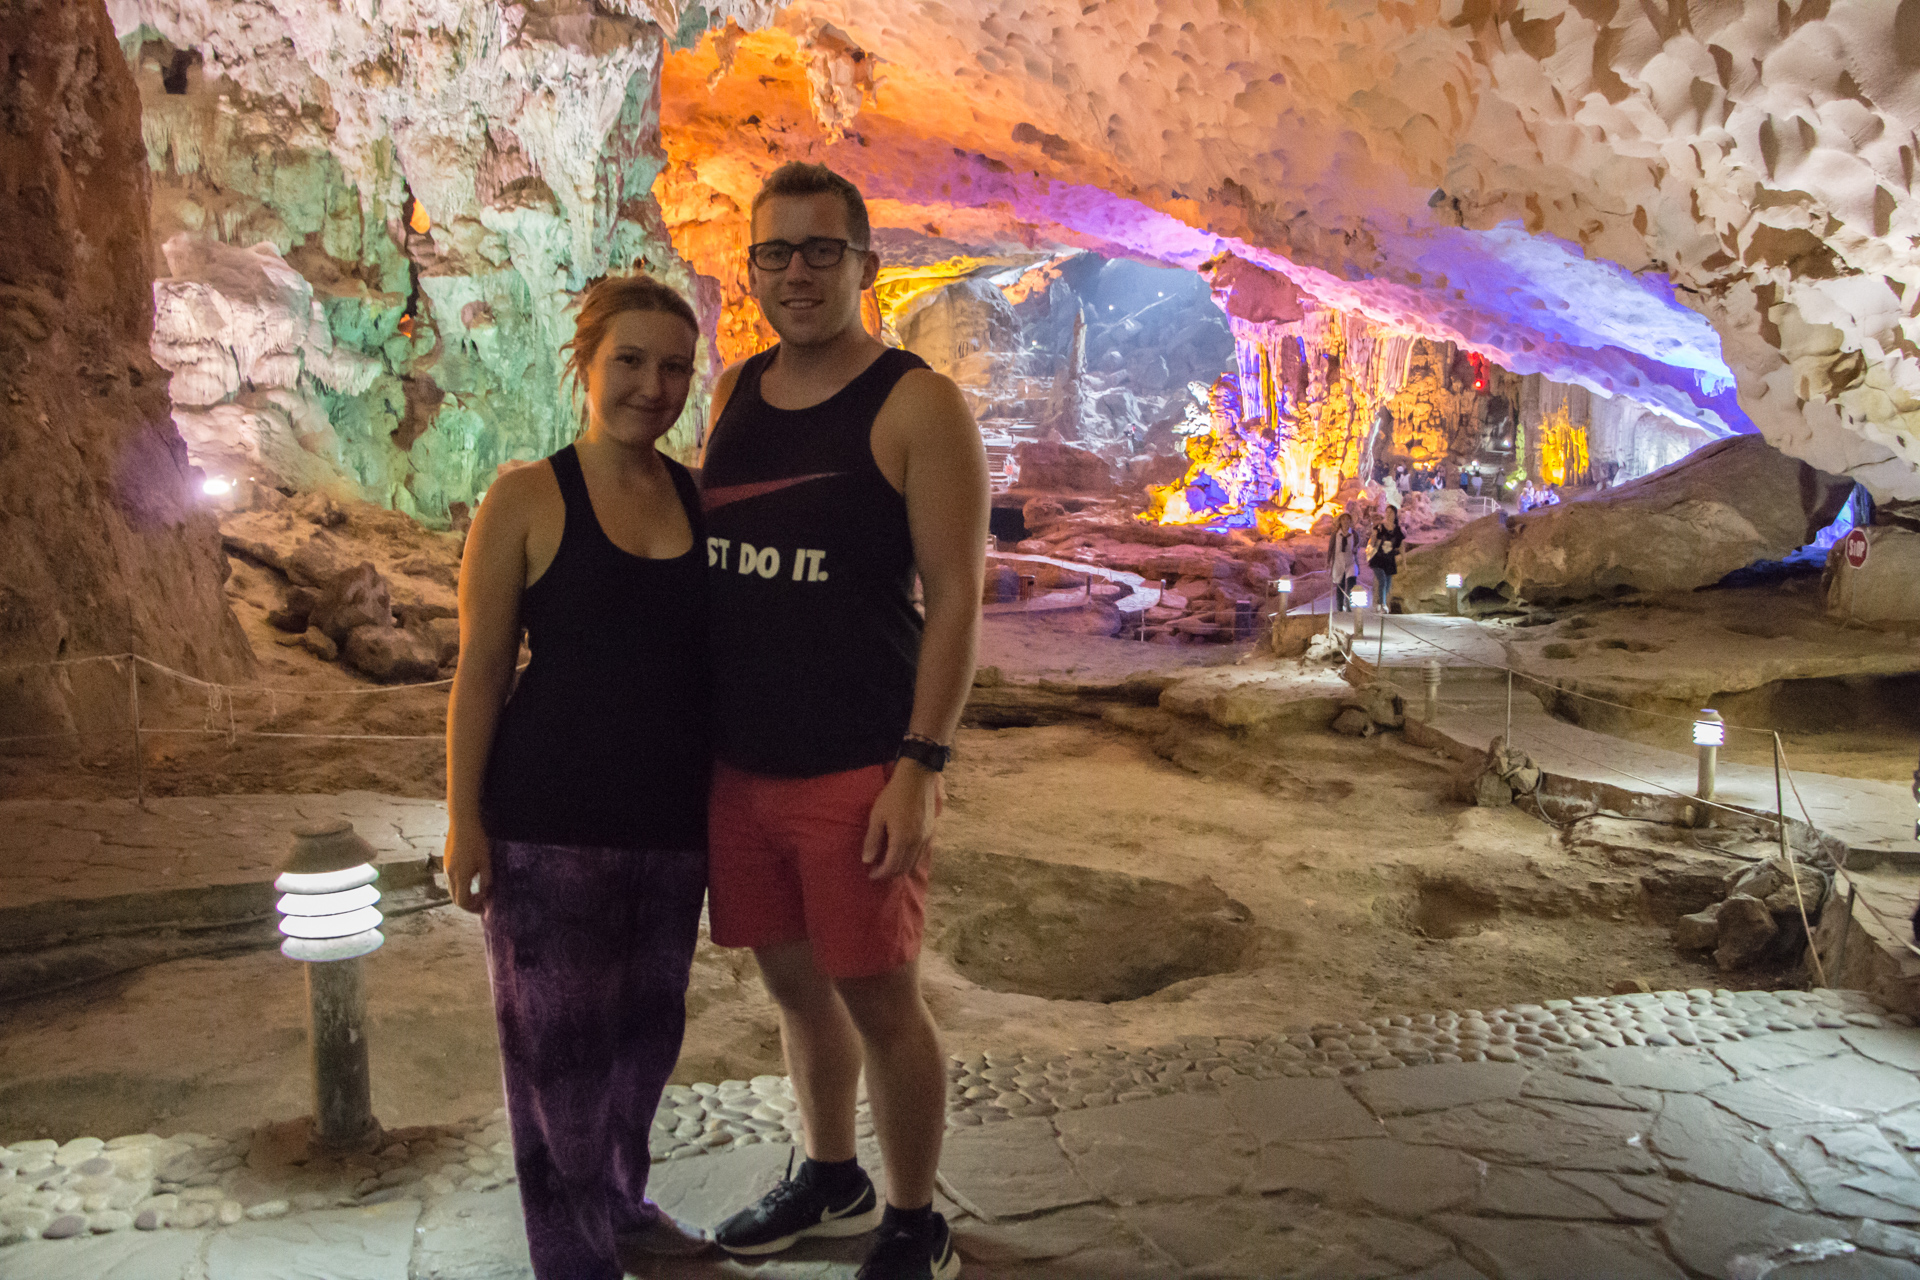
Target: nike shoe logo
point(834, 1215)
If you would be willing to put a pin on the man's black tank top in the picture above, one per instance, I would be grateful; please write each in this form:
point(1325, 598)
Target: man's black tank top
point(815, 635)
point(604, 741)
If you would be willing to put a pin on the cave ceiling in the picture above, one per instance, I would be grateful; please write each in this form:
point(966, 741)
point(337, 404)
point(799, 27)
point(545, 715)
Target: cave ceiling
point(1704, 205)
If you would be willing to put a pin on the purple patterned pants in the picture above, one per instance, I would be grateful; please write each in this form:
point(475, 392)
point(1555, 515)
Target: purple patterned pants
point(589, 951)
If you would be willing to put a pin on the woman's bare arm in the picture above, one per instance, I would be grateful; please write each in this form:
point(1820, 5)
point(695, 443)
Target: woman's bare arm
point(493, 572)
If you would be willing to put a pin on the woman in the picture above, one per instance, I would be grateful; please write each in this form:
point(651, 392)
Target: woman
point(1342, 560)
point(1385, 560)
point(577, 805)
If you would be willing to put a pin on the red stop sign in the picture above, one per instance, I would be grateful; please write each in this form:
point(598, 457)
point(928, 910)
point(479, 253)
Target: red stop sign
point(1855, 548)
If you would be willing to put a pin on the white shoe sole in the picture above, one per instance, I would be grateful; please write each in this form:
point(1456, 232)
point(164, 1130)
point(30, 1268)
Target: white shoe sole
point(837, 1229)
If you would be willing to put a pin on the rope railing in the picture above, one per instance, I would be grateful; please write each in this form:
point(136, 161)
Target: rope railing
point(1783, 771)
point(221, 698)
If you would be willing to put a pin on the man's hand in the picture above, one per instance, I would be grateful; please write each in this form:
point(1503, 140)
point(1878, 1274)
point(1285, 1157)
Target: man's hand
point(900, 831)
point(469, 866)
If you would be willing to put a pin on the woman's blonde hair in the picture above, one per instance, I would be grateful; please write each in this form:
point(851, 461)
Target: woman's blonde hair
point(608, 297)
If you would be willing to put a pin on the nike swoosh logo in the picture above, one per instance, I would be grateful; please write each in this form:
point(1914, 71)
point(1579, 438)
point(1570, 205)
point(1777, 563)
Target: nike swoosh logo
point(834, 1215)
point(714, 499)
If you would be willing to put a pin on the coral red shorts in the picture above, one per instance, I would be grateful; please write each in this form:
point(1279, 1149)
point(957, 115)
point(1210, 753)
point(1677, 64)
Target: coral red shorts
point(784, 864)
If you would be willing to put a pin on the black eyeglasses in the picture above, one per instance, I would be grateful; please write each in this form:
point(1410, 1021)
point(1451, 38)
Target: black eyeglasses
point(818, 252)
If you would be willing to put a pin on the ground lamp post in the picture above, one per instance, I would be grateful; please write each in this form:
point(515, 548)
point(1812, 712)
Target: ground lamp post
point(1709, 731)
point(1357, 600)
point(330, 920)
point(1454, 583)
point(1283, 587)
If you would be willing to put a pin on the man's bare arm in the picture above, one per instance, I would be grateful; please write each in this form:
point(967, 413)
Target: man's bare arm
point(945, 485)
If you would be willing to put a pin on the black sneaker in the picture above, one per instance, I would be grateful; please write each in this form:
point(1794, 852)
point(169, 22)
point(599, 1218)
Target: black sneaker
point(912, 1255)
point(797, 1208)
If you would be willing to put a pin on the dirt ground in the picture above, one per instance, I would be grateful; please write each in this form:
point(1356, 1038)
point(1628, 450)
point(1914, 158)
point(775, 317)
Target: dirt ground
point(1077, 868)
point(1121, 880)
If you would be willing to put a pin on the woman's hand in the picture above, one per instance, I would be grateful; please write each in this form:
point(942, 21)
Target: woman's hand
point(469, 864)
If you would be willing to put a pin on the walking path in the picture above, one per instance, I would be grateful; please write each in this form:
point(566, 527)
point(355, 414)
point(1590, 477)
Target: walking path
point(1658, 1135)
point(1874, 819)
point(1668, 1135)
point(93, 849)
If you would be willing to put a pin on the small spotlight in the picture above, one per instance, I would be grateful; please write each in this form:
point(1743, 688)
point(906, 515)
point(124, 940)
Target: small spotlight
point(1455, 582)
point(1709, 730)
point(1283, 585)
point(214, 486)
point(1358, 598)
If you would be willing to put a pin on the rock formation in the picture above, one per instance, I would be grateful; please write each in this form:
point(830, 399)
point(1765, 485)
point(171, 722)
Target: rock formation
point(1721, 508)
point(1702, 208)
point(375, 220)
point(1884, 589)
point(104, 546)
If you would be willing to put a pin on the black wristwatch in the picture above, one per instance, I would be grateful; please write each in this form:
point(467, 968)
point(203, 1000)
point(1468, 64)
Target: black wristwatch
point(925, 752)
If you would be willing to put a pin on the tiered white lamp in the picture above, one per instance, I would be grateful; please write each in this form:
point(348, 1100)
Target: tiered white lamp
point(1709, 731)
point(1454, 583)
point(329, 914)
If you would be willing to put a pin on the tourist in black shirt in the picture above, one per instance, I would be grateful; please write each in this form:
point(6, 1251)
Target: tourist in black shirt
point(577, 806)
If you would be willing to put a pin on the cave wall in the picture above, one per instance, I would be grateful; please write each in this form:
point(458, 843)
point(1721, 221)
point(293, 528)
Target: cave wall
point(374, 220)
point(1704, 207)
point(103, 544)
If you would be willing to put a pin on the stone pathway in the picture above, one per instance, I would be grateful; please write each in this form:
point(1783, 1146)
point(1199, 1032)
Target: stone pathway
point(1874, 819)
point(1724, 1134)
point(85, 849)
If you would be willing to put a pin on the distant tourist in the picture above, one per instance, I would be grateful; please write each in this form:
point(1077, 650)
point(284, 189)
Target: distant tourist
point(576, 799)
point(1478, 484)
point(1343, 556)
point(1387, 540)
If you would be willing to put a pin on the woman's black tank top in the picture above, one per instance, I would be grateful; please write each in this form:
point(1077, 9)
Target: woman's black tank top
point(604, 741)
point(815, 636)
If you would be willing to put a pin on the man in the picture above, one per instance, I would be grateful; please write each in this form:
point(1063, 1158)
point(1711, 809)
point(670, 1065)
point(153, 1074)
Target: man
point(837, 468)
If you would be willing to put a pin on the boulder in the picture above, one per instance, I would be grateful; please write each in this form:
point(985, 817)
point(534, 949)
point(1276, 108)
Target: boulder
point(321, 509)
point(1886, 589)
point(1061, 468)
point(390, 653)
point(1090, 620)
point(1381, 703)
point(319, 644)
point(1720, 508)
point(1746, 930)
point(1698, 932)
point(1322, 648)
point(1354, 723)
point(1489, 790)
point(1041, 511)
point(1478, 553)
point(1289, 635)
point(356, 598)
point(1682, 527)
point(292, 616)
point(1772, 881)
point(443, 638)
point(315, 562)
point(444, 570)
point(1515, 767)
